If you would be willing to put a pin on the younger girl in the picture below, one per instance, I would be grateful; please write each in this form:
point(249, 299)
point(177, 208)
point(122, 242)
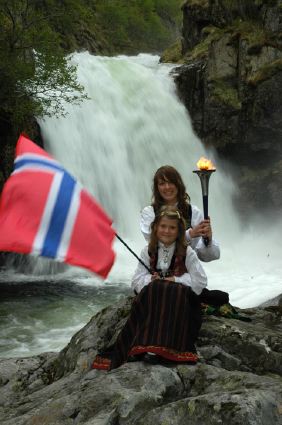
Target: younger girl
point(165, 317)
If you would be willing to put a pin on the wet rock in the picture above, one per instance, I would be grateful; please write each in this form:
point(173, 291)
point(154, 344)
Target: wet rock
point(237, 380)
point(231, 82)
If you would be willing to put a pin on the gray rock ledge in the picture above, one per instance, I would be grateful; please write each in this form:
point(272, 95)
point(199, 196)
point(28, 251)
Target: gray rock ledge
point(238, 379)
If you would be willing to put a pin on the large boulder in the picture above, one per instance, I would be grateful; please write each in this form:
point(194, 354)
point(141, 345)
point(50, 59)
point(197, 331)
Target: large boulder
point(231, 82)
point(238, 378)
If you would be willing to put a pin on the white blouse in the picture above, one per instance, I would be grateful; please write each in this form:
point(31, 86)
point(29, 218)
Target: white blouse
point(195, 277)
point(205, 253)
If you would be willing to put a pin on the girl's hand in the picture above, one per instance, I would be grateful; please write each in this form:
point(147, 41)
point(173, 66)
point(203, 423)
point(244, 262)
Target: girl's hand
point(171, 278)
point(202, 229)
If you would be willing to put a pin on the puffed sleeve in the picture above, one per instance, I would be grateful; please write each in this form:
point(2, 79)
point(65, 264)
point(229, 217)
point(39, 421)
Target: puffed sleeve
point(205, 253)
point(146, 219)
point(196, 277)
point(141, 276)
point(197, 217)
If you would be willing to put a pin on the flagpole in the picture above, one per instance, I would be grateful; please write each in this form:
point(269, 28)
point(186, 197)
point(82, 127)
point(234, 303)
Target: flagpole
point(132, 252)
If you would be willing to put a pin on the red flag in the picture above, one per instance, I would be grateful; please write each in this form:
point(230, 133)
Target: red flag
point(45, 211)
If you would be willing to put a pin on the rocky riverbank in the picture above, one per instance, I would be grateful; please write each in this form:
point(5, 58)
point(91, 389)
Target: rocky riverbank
point(238, 379)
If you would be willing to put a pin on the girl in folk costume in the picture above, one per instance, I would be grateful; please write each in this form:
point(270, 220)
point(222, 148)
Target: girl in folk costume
point(169, 189)
point(165, 317)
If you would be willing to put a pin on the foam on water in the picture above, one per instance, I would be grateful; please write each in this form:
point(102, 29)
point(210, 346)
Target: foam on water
point(113, 143)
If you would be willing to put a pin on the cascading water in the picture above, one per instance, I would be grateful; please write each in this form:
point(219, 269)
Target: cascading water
point(113, 143)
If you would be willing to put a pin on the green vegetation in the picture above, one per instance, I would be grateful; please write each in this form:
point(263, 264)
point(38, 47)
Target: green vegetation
point(201, 49)
point(200, 3)
point(131, 26)
point(35, 76)
point(224, 93)
point(265, 72)
point(246, 9)
point(173, 54)
point(252, 32)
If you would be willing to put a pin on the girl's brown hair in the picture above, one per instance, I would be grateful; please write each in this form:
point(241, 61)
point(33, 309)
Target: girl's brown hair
point(171, 213)
point(170, 174)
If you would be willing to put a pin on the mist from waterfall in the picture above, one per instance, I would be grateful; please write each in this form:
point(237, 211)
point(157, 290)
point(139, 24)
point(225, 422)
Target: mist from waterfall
point(113, 143)
point(132, 124)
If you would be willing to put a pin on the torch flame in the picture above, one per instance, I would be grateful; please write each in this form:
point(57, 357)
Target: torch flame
point(205, 164)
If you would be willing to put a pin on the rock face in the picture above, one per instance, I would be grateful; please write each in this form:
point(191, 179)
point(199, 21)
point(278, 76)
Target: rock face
point(231, 83)
point(238, 379)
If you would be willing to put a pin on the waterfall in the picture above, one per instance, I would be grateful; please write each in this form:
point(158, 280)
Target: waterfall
point(133, 123)
point(113, 143)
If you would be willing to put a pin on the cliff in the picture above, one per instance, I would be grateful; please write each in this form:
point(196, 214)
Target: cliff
point(231, 84)
point(238, 379)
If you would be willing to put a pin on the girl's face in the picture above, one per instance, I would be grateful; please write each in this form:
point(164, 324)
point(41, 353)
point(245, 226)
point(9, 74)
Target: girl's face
point(168, 191)
point(167, 230)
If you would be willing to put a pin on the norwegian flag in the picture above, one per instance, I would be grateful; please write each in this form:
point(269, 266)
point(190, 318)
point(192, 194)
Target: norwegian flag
point(44, 211)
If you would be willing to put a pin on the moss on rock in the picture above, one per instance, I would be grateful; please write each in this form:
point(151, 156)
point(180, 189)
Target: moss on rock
point(173, 54)
point(266, 72)
point(200, 3)
point(225, 93)
point(200, 51)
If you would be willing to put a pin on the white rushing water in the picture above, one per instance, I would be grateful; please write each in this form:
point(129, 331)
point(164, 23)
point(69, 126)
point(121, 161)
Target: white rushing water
point(113, 143)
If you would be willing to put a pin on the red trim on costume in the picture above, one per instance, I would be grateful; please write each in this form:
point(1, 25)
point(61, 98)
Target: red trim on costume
point(101, 363)
point(167, 353)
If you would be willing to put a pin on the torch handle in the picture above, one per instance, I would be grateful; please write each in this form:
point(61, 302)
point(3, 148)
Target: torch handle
point(206, 206)
point(206, 214)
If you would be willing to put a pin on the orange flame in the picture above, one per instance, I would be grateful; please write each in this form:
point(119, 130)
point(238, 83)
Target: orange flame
point(205, 164)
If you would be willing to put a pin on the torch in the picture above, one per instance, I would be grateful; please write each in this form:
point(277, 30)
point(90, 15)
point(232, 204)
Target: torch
point(205, 168)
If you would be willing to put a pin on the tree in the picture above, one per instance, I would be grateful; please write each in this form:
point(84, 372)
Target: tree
point(36, 78)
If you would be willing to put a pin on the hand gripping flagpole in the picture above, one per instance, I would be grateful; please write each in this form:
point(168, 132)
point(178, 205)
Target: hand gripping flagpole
point(205, 169)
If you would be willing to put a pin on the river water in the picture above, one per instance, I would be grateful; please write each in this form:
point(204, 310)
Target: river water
point(132, 124)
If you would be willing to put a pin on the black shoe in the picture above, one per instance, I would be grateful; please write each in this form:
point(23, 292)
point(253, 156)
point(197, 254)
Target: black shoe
point(151, 358)
point(167, 362)
point(135, 358)
point(156, 359)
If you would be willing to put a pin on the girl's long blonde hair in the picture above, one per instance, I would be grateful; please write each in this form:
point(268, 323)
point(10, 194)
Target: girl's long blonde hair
point(171, 213)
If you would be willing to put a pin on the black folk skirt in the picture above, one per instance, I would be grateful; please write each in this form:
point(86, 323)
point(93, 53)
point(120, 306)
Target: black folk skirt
point(165, 319)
